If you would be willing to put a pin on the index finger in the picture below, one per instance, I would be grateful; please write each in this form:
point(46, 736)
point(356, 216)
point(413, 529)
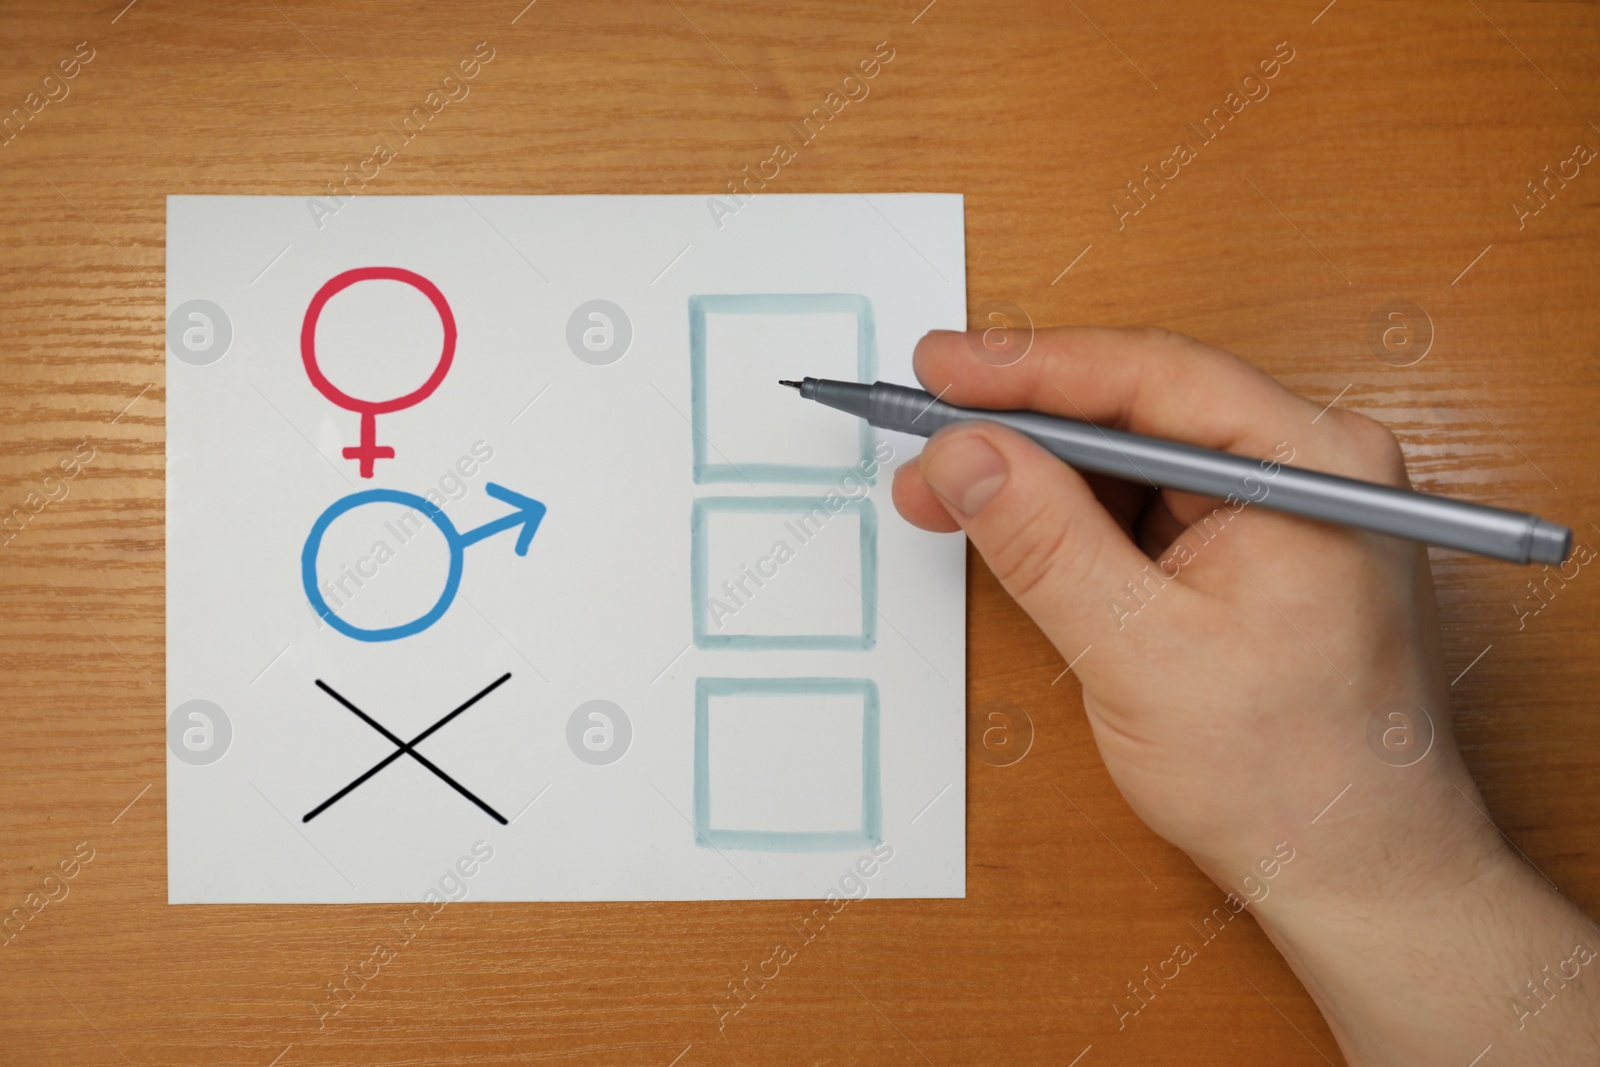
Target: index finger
point(1147, 381)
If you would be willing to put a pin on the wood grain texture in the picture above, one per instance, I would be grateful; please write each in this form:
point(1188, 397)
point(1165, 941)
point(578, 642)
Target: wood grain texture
point(1382, 167)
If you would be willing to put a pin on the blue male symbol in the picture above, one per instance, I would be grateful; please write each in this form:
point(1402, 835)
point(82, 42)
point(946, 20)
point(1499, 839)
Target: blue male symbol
point(527, 514)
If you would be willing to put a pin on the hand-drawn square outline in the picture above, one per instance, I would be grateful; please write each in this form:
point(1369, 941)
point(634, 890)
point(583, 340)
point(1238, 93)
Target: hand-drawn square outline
point(775, 304)
point(700, 567)
point(870, 832)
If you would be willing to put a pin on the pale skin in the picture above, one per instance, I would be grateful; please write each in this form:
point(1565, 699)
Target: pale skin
point(1231, 694)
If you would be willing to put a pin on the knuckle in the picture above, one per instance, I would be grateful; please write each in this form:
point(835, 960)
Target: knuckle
point(1374, 446)
point(1161, 337)
point(1030, 551)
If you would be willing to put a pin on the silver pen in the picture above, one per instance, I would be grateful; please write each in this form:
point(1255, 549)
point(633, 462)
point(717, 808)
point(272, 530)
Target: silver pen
point(1436, 520)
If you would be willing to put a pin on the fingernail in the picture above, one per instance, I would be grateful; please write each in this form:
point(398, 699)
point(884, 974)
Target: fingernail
point(966, 472)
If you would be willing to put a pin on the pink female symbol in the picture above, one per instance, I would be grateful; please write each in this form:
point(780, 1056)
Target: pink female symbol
point(369, 450)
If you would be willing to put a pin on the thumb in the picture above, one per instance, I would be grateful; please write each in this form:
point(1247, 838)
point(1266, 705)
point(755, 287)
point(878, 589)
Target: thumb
point(1036, 523)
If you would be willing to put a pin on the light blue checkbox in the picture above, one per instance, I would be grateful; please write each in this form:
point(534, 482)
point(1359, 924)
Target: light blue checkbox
point(807, 510)
point(729, 468)
point(864, 834)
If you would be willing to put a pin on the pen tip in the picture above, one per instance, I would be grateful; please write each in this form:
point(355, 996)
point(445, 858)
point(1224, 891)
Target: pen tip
point(791, 385)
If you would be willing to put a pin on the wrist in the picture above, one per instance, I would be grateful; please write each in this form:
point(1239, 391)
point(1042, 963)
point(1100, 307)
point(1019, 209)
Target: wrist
point(1414, 925)
point(1392, 834)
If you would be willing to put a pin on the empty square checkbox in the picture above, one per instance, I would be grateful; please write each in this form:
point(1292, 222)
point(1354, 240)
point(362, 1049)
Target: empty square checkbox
point(747, 428)
point(787, 764)
point(784, 572)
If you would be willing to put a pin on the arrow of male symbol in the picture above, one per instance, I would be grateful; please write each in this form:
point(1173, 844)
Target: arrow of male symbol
point(527, 514)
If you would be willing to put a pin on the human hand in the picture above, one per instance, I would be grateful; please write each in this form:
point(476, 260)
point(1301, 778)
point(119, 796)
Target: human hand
point(1230, 656)
point(1232, 659)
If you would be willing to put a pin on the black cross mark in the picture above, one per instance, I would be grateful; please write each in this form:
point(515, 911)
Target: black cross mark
point(408, 748)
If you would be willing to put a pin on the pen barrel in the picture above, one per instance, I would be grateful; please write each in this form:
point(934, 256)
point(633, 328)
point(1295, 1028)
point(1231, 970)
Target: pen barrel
point(1438, 520)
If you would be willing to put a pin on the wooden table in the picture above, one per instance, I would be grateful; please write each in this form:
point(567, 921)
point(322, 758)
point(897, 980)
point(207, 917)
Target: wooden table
point(1378, 170)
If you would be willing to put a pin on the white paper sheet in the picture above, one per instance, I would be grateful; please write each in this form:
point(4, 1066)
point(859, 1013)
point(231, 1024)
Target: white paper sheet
point(734, 670)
